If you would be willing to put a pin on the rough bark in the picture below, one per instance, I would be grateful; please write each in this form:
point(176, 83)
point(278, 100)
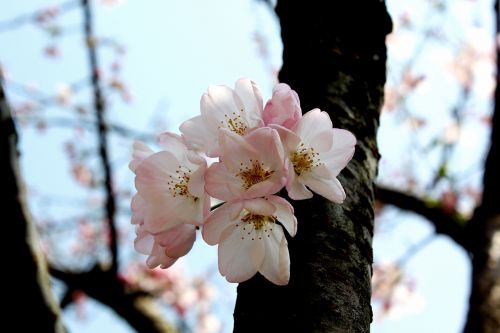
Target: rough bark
point(334, 57)
point(484, 303)
point(28, 290)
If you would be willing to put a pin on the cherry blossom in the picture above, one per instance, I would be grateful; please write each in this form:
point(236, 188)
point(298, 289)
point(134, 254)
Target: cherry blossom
point(251, 238)
point(257, 152)
point(252, 166)
point(237, 110)
point(316, 153)
point(283, 108)
point(171, 184)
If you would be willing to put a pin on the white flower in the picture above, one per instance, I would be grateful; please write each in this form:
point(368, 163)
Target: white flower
point(237, 110)
point(171, 184)
point(251, 238)
point(251, 166)
point(316, 153)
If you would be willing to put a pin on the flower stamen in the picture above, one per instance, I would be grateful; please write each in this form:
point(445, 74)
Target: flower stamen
point(235, 123)
point(304, 159)
point(254, 174)
point(178, 183)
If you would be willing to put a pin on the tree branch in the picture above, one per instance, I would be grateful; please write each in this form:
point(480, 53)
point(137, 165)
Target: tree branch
point(102, 131)
point(445, 223)
point(29, 290)
point(137, 308)
point(33, 16)
point(484, 302)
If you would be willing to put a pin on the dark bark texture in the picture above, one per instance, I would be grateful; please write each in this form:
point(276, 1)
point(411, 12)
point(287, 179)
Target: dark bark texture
point(335, 58)
point(27, 291)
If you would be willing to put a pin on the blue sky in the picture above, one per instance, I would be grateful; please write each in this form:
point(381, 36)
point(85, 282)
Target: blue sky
point(175, 49)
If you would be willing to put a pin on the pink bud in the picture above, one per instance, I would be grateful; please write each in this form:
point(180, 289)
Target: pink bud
point(283, 108)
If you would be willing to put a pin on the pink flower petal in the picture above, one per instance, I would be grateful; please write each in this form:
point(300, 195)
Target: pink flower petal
point(295, 189)
point(139, 153)
point(284, 214)
point(177, 241)
point(196, 134)
point(237, 256)
point(224, 217)
point(312, 123)
point(276, 265)
point(328, 188)
point(251, 97)
point(283, 108)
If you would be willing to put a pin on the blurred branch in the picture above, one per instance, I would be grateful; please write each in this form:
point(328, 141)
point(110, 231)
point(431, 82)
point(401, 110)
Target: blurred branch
point(445, 223)
point(38, 15)
point(99, 107)
point(484, 301)
point(31, 283)
point(91, 125)
point(137, 308)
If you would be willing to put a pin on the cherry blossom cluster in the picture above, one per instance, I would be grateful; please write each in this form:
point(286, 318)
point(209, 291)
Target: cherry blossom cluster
point(259, 151)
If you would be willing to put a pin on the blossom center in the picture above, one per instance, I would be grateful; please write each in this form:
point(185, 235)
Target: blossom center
point(255, 223)
point(178, 183)
point(304, 159)
point(235, 123)
point(253, 174)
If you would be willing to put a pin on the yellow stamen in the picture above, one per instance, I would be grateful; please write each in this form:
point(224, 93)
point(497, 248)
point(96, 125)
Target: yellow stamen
point(254, 174)
point(304, 159)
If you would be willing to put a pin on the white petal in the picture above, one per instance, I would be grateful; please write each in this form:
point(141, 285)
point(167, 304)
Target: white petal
point(144, 241)
point(295, 189)
point(139, 153)
point(232, 148)
point(266, 141)
point(328, 188)
point(177, 241)
point(196, 133)
point(173, 143)
point(221, 184)
point(249, 93)
point(224, 217)
point(289, 139)
point(138, 206)
point(196, 184)
point(260, 206)
point(341, 152)
point(284, 214)
point(237, 256)
point(153, 174)
point(313, 122)
point(219, 102)
point(158, 257)
point(276, 264)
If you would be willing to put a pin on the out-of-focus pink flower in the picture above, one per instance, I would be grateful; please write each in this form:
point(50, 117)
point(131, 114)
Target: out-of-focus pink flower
point(237, 110)
point(252, 166)
point(250, 239)
point(316, 153)
point(283, 108)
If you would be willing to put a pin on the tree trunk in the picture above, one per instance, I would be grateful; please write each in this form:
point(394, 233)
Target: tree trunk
point(484, 303)
point(334, 57)
point(28, 291)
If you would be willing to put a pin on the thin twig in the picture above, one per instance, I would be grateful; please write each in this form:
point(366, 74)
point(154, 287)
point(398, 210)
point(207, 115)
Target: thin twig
point(102, 132)
point(32, 17)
